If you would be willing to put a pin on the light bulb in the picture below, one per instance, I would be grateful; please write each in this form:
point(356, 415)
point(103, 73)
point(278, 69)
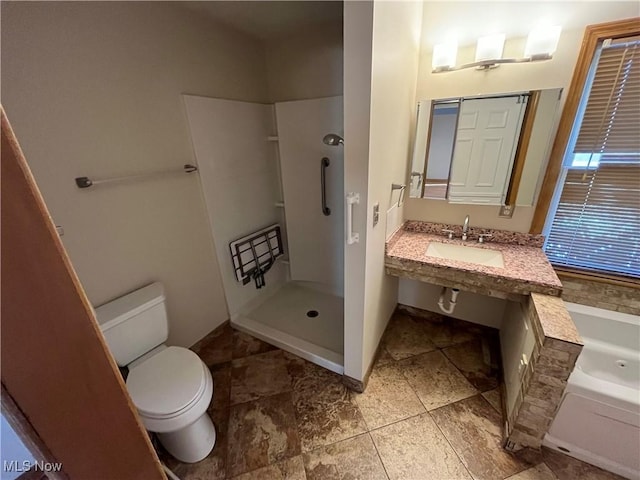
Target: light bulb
point(444, 56)
point(542, 42)
point(490, 47)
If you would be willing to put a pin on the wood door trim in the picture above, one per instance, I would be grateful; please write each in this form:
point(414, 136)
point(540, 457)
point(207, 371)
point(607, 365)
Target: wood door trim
point(29, 437)
point(592, 36)
point(55, 364)
point(523, 147)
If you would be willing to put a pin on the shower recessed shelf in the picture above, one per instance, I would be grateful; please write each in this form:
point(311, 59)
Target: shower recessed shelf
point(273, 138)
point(279, 204)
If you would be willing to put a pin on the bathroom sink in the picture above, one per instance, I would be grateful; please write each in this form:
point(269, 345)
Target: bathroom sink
point(463, 253)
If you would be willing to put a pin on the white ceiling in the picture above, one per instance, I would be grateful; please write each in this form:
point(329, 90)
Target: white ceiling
point(268, 19)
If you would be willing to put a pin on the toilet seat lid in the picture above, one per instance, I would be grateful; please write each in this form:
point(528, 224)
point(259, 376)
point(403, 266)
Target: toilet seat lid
point(167, 382)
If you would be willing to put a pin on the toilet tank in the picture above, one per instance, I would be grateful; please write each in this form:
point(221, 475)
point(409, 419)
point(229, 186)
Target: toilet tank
point(135, 323)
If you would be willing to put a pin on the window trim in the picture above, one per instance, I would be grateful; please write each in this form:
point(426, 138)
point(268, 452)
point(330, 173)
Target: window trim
point(593, 35)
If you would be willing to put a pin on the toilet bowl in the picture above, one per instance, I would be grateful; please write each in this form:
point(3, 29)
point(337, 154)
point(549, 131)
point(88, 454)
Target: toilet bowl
point(170, 386)
point(172, 391)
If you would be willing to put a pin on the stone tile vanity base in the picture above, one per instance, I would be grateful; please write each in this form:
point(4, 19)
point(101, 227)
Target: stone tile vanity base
point(618, 298)
point(529, 280)
point(556, 349)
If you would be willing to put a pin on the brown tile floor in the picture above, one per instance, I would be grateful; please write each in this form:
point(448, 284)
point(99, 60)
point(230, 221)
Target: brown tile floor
point(431, 411)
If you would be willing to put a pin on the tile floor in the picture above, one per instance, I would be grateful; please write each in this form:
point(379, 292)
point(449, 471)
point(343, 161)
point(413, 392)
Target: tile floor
point(431, 411)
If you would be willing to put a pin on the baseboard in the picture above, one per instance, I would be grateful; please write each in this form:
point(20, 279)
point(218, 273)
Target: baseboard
point(212, 333)
point(359, 386)
point(353, 384)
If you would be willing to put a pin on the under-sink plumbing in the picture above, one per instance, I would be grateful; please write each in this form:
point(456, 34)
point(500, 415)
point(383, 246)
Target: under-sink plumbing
point(452, 300)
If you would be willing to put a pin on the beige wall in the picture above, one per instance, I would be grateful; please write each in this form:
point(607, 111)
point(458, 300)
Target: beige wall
point(396, 37)
point(471, 307)
point(358, 25)
point(551, 74)
point(381, 63)
point(306, 64)
point(93, 88)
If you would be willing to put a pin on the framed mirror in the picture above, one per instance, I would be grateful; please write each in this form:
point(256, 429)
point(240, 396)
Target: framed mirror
point(486, 149)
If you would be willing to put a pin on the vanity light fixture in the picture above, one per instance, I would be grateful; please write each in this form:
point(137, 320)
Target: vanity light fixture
point(444, 56)
point(541, 45)
point(490, 47)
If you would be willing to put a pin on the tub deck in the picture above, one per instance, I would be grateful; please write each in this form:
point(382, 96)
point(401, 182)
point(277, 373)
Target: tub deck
point(599, 417)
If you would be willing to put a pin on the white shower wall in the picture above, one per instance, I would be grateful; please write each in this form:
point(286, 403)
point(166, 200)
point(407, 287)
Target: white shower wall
point(240, 182)
point(315, 241)
point(247, 173)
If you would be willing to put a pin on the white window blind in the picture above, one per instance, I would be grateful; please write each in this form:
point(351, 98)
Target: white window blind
point(596, 225)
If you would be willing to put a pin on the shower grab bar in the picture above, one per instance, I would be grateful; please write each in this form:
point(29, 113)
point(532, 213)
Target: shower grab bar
point(324, 163)
point(352, 237)
point(86, 182)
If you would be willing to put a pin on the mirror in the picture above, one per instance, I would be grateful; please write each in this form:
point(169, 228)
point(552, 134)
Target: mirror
point(487, 149)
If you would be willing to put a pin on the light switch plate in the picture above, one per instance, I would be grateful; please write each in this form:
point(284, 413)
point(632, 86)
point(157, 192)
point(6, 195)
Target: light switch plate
point(376, 213)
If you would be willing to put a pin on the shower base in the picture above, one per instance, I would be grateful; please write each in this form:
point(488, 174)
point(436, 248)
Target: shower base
point(301, 318)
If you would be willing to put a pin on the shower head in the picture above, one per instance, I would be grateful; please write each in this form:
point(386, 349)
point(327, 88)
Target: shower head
point(333, 139)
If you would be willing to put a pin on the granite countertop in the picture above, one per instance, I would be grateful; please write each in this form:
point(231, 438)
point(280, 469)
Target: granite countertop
point(555, 320)
point(526, 267)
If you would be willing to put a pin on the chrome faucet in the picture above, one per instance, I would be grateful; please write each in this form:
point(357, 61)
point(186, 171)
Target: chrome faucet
point(465, 227)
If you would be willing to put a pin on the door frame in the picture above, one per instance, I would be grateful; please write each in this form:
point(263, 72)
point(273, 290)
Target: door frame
point(56, 367)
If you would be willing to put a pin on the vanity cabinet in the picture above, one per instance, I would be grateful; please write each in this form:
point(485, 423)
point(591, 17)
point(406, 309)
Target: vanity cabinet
point(539, 342)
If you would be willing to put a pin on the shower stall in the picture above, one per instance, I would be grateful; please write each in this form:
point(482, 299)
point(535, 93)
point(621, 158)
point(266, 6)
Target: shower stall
point(273, 183)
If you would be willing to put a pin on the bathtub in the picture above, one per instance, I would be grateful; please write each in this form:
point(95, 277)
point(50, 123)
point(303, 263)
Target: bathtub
point(599, 417)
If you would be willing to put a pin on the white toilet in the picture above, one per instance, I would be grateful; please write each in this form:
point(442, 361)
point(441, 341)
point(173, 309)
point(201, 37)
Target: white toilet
point(170, 386)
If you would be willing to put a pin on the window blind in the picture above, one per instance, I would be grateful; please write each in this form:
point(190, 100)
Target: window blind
point(596, 225)
point(610, 121)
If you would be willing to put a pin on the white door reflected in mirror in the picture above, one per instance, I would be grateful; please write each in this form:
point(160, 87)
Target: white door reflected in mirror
point(485, 147)
point(466, 148)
